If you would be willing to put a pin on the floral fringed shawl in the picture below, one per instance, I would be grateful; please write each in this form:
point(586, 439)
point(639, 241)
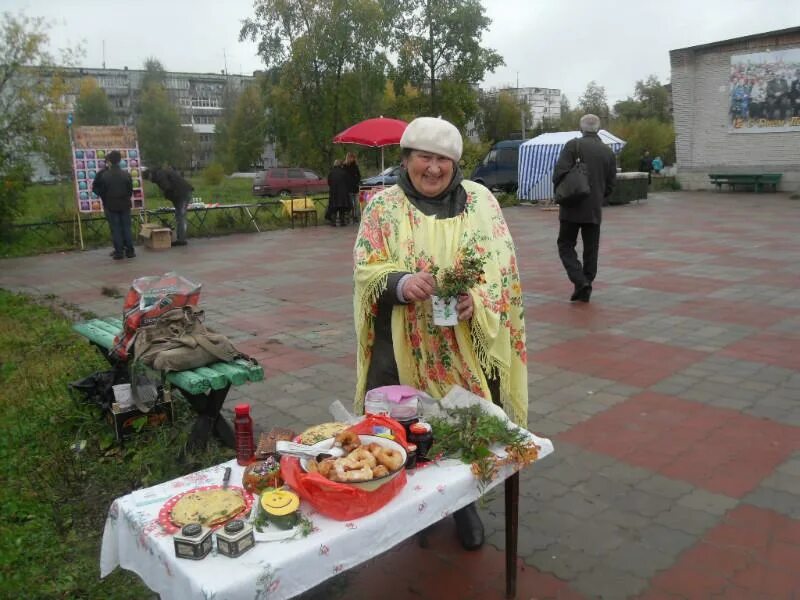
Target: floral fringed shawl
point(395, 236)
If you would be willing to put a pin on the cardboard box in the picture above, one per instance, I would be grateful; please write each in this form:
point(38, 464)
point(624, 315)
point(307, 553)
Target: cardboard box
point(156, 236)
point(123, 420)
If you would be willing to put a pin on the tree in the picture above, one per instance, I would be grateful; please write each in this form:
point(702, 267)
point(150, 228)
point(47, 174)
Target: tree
point(439, 40)
point(594, 101)
point(248, 129)
point(329, 67)
point(52, 129)
point(650, 101)
point(161, 136)
point(23, 55)
point(93, 106)
point(223, 127)
point(499, 117)
point(644, 134)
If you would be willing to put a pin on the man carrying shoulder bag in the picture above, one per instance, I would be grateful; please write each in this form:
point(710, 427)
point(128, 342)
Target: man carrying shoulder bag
point(580, 212)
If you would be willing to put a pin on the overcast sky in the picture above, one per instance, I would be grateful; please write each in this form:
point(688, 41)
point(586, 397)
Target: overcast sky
point(560, 44)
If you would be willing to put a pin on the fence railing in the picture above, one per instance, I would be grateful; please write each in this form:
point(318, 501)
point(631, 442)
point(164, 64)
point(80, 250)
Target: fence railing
point(221, 219)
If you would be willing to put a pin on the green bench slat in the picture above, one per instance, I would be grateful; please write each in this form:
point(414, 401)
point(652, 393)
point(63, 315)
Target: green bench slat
point(195, 381)
point(189, 381)
point(235, 373)
point(216, 380)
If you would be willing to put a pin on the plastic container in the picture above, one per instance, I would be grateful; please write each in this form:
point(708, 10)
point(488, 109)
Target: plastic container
point(122, 395)
point(243, 431)
point(376, 403)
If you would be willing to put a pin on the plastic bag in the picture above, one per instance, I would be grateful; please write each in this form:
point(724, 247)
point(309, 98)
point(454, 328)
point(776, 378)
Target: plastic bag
point(339, 500)
point(149, 298)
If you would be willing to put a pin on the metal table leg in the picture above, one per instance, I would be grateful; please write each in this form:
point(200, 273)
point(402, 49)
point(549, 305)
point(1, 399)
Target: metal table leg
point(512, 531)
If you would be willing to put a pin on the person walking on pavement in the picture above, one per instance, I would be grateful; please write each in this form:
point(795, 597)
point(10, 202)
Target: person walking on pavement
point(178, 191)
point(115, 188)
point(428, 220)
point(585, 215)
point(351, 166)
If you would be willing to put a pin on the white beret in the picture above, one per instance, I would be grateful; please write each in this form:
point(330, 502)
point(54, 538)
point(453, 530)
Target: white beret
point(433, 135)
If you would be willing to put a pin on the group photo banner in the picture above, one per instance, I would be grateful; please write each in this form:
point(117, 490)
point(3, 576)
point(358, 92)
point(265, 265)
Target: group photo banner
point(90, 147)
point(765, 92)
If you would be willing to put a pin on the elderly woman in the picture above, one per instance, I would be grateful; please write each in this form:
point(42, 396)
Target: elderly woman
point(428, 220)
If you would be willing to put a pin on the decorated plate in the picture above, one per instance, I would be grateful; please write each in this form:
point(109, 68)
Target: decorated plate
point(170, 525)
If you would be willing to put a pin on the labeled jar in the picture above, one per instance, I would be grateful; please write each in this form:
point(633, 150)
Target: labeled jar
point(421, 435)
point(376, 403)
point(235, 538)
point(192, 541)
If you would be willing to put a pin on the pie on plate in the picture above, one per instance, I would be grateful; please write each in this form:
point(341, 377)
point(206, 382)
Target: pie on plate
point(207, 507)
point(320, 432)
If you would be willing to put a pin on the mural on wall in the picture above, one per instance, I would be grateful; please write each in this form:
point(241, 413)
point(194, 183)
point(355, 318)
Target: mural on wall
point(765, 91)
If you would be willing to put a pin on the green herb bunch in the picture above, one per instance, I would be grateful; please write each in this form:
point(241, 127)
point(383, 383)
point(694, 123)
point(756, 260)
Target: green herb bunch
point(464, 274)
point(468, 433)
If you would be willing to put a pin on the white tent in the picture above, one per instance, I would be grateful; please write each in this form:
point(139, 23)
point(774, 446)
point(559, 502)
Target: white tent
point(537, 159)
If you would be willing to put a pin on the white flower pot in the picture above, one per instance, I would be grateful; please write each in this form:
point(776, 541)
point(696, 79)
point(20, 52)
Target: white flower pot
point(444, 311)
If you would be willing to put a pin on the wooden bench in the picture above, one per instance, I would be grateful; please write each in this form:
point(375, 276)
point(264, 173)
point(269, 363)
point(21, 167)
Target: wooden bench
point(759, 182)
point(204, 388)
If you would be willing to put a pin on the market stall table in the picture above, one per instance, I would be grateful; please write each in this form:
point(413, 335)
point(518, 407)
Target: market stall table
point(134, 538)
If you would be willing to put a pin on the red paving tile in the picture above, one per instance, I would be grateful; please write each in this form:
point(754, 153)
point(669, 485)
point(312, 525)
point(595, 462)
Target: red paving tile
point(444, 570)
point(768, 348)
point(747, 555)
point(727, 311)
point(584, 316)
point(719, 450)
point(680, 284)
point(277, 358)
point(619, 358)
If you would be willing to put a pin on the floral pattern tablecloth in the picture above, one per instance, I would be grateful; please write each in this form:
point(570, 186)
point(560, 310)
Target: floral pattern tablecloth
point(134, 539)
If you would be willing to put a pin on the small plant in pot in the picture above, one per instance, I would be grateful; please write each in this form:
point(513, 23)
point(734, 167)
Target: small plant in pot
point(454, 281)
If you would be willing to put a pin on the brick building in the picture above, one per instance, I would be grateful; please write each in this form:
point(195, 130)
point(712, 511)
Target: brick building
point(733, 108)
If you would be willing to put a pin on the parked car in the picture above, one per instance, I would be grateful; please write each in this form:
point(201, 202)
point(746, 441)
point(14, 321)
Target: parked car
point(282, 181)
point(386, 177)
point(498, 169)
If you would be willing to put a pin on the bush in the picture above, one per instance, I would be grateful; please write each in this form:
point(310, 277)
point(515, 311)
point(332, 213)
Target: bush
point(472, 155)
point(213, 174)
point(644, 134)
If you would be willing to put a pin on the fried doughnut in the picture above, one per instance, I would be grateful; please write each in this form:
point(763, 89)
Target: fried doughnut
point(347, 470)
point(374, 448)
point(362, 454)
point(325, 468)
point(380, 471)
point(311, 466)
point(347, 440)
point(390, 458)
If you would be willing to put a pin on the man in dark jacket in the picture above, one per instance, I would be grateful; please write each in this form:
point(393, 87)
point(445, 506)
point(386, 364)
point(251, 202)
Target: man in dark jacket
point(115, 187)
point(584, 215)
point(178, 191)
point(339, 204)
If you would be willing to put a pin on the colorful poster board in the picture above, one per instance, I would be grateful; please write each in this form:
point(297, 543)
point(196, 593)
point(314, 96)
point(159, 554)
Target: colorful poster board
point(90, 146)
point(765, 92)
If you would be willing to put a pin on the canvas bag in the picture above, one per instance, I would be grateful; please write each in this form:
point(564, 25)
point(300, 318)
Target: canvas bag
point(574, 186)
point(178, 340)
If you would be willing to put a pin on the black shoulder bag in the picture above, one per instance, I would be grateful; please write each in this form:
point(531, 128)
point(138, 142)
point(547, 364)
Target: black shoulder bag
point(574, 186)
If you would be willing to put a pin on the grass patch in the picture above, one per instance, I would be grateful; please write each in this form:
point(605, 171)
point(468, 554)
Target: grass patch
point(60, 465)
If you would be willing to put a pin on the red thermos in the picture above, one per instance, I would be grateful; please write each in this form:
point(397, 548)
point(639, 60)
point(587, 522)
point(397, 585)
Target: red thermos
point(243, 430)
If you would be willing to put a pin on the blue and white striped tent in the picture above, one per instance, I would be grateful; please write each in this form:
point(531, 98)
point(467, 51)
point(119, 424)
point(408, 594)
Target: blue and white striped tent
point(537, 159)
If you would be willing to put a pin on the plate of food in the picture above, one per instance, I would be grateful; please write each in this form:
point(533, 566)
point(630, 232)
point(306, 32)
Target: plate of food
point(210, 505)
point(321, 432)
point(371, 461)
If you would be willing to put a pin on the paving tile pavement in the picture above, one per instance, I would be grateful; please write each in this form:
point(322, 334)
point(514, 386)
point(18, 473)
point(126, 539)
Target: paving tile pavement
point(672, 398)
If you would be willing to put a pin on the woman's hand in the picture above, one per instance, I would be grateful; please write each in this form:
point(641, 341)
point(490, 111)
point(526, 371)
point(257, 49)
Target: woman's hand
point(419, 287)
point(464, 307)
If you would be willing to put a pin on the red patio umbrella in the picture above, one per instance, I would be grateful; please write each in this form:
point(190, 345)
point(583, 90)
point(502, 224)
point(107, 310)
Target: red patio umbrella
point(375, 133)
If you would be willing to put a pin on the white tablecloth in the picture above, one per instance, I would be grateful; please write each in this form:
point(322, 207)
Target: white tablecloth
point(134, 539)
